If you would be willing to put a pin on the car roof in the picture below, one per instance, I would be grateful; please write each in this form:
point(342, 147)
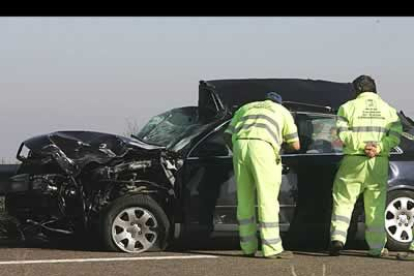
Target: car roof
point(232, 93)
point(315, 113)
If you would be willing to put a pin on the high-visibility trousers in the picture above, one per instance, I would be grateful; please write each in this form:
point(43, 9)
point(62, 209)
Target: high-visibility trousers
point(256, 169)
point(356, 175)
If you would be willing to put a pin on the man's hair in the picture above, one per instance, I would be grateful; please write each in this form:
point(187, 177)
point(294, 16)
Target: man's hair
point(364, 83)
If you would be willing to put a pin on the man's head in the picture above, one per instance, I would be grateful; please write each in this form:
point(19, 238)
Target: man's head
point(273, 96)
point(364, 83)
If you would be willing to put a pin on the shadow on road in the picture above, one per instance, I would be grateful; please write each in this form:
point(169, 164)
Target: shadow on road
point(218, 246)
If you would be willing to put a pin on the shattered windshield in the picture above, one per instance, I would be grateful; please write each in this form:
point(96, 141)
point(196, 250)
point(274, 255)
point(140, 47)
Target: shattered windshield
point(169, 128)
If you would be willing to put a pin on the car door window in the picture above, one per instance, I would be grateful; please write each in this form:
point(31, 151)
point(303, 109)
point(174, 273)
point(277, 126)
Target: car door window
point(318, 134)
point(212, 145)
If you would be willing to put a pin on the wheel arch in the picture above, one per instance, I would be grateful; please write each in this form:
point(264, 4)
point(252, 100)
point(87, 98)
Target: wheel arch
point(401, 187)
point(164, 197)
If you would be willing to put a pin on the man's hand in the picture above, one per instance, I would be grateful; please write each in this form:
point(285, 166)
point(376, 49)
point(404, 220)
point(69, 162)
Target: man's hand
point(371, 150)
point(295, 146)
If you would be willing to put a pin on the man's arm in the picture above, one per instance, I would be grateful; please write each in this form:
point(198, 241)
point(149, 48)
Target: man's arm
point(393, 137)
point(342, 125)
point(390, 140)
point(290, 133)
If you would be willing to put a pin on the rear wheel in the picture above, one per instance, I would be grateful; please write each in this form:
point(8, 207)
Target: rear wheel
point(399, 219)
point(134, 224)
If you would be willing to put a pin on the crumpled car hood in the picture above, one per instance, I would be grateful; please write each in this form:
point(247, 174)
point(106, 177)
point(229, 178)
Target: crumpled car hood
point(73, 140)
point(75, 149)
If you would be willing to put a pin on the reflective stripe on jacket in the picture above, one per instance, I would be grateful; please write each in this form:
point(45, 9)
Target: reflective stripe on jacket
point(264, 120)
point(368, 119)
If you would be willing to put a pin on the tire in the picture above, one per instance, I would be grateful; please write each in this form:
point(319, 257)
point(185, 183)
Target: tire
point(399, 219)
point(10, 232)
point(134, 224)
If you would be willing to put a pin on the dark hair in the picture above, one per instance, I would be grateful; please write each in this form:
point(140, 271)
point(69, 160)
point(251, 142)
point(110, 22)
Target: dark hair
point(364, 83)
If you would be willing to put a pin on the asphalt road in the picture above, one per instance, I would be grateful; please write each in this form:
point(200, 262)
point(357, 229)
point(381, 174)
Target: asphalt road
point(216, 257)
point(48, 261)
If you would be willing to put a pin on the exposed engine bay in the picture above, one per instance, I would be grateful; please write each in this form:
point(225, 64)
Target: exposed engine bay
point(67, 177)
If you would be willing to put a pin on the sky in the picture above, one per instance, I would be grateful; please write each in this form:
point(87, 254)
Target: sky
point(110, 73)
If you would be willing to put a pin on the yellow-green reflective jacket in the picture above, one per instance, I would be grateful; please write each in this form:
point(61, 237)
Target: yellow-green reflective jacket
point(266, 121)
point(368, 119)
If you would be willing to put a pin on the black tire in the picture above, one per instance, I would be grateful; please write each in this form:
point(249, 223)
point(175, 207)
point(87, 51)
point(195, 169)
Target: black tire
point(395, 198)
point(158, 224)
point(10, 232)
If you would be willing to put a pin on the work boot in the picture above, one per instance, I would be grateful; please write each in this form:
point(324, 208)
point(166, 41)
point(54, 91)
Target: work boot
point(407, 256)
point(282, 255)
point(335, 247)
point(384, 253)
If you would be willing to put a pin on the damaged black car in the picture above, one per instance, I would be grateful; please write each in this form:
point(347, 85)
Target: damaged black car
point(173, 180)
point(73, 181)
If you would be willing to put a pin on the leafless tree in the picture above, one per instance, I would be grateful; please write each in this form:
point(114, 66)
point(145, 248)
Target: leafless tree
point(132, 127)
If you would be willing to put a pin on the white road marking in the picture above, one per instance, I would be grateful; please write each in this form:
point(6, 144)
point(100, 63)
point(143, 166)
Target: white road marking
point(91, 260)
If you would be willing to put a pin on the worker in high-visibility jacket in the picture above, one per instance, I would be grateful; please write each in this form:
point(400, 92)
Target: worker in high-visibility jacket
point(256, 134)
point(369, 128)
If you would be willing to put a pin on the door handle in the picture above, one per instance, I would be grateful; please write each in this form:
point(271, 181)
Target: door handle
point(285, 169)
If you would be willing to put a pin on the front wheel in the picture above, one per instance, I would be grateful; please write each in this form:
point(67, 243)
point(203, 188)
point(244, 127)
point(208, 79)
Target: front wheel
point(134, 224)
point(399, 219)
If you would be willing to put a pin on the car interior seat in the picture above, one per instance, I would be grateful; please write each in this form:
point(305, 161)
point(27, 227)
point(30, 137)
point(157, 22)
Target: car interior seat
point(305, 134)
